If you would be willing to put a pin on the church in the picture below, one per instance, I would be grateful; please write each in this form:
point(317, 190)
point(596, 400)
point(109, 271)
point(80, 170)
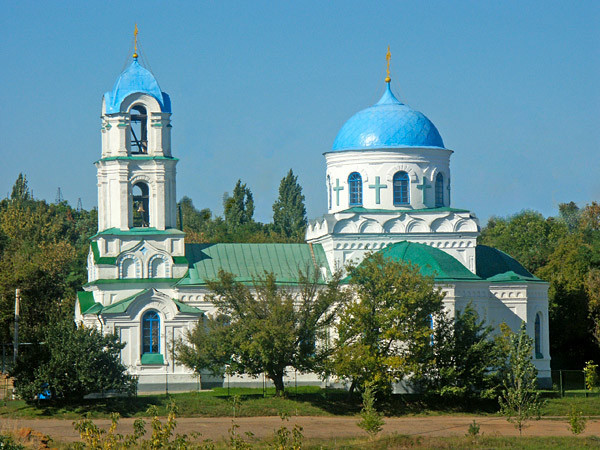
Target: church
point(388, 183)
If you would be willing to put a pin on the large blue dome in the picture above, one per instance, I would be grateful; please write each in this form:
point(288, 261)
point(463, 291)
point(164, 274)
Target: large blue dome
point(387, 124)
point(135, 79)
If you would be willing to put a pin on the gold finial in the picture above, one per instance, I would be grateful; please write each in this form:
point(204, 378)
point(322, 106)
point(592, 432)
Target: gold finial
point(388, 56)
point(135, 33)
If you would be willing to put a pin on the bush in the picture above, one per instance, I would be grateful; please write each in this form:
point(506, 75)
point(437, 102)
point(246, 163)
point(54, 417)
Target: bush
point(577, 422)
point(71, 363)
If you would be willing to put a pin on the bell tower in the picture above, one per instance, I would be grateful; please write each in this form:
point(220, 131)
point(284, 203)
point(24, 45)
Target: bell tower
point(136, 172)
point(137, 220)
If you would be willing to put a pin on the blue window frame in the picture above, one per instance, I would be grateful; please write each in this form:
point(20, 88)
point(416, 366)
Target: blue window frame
point(151, 332)
point(401, 191)
point(439, 190)
point(538, 336)
point(355, 185)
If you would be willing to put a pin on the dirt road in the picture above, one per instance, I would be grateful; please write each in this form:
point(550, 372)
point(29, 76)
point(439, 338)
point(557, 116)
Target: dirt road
point(318, 427)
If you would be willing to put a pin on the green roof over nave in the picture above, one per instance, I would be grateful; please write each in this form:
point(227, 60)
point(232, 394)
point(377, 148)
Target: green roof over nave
point(249, 261)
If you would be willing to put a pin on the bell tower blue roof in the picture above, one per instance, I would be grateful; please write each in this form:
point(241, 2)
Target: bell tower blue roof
point(387, 124)
point(135, 79)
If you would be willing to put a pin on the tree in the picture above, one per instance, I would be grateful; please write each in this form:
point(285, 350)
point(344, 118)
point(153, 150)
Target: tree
point(239, 208)
point(519, 400)
point(384, 331)
point(263, 328)
point(526, 236)
point(20, 190)
point(43, 249)
point(71, 363)
point(289, 212)
point(466, 357)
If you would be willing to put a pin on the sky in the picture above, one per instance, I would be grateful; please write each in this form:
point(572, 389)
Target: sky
point(260, 87)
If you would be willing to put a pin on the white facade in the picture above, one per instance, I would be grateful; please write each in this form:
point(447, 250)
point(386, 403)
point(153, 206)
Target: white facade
point(138, 258)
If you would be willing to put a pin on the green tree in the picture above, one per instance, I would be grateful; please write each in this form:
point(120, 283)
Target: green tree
point(466, 358)
point(371, 419)
point(519, 400)
point(71, 362)
point(289, 212)
point(239, 208)
point(263, 328)
point(384, 331)
point(526, 236)
point(20, 190)
point(43, 251)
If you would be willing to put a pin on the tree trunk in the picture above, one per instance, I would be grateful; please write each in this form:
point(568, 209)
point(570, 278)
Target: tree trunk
point(279, 387)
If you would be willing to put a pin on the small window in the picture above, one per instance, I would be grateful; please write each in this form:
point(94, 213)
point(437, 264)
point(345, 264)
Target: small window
point(151, 333)
point(355, 185)
point(141, 205)
point(401, 191)
point(439, 190)
point(139, 130)
point(538, 336)
point(329, 196)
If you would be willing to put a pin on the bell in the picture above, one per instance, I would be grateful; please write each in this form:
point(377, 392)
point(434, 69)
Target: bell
point(141, 208)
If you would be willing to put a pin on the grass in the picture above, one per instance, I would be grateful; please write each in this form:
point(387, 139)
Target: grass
point(309, 401)
point(402, 441)
point(589, 406)
point(397, 441)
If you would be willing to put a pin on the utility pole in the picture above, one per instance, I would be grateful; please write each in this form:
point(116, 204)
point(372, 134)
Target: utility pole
point(16, 337)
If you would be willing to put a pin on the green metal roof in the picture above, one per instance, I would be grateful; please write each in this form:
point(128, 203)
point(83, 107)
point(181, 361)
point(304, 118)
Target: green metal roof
point(360, 209)
point(139, 158)
point(138, 231)
point(87, 304)
point(122, 306)
point(249, 261)
point(432, 261)
point(131, 281)
point(111, 260)
point(495, 265)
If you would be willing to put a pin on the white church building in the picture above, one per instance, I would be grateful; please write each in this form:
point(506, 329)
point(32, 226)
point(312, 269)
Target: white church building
point(388, 188)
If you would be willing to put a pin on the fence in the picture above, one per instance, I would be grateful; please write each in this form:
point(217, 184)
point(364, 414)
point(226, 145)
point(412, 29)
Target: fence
point(570, 383)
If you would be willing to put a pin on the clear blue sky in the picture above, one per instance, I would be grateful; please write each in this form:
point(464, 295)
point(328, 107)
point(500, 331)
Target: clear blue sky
point(261, 87)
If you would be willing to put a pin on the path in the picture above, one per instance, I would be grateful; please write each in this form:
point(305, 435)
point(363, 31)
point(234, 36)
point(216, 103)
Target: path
point(318, 427)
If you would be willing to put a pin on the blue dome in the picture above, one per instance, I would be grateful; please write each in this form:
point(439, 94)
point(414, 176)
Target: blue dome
point(133, 80)
point(387, 124)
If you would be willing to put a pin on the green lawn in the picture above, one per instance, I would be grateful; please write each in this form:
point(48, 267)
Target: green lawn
point(309, 401)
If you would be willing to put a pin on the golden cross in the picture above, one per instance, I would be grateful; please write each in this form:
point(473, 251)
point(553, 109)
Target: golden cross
point(135, 33)
point(388, 56)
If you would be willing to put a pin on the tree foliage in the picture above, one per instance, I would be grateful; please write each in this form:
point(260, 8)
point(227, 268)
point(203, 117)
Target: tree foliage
point(43, 250)
point(263, 328)
point(239, 208)
point(519, 400)
point(564, 250)
point(289, 212)
point(384, 331)
point(467, 359)
point(71, 362)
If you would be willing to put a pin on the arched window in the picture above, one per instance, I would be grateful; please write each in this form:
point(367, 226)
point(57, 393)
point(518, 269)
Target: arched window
point(401, 191)
point(439, 190)
point(158, 267)
point(130, 267)
point(355, 185)
point(139, 130)
point(140, 205)
point(150, 332)
point(329, 191)
point(538, 336)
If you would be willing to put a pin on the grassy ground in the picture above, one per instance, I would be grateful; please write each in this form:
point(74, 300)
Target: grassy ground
point(308, 401)
point(400, 441)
